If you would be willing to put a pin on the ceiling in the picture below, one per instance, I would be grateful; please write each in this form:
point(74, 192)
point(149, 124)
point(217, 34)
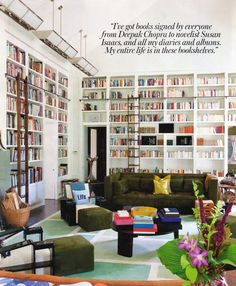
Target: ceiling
point(96, 16)
point(89, 15)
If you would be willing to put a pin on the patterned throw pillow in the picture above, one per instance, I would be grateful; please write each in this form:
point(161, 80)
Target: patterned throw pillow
point(80, 193)
point(166, 178)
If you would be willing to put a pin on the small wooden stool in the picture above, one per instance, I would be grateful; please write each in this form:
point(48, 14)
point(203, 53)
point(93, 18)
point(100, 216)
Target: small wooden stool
point(208, 207)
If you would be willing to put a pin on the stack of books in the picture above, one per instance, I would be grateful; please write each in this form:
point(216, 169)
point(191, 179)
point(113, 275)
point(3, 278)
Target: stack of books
point(144, 224)
point(169, 215)
point(123, 218)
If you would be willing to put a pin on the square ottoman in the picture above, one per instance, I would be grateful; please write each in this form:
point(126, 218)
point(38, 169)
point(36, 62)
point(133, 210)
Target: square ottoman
point(92, 219)
point(73, 254)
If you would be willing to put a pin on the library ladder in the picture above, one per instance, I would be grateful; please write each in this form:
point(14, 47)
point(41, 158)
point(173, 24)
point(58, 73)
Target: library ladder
point(133, 134)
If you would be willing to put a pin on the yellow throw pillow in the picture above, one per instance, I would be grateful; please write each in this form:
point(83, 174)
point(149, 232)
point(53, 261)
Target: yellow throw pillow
point(167, 178)
point(161, 187)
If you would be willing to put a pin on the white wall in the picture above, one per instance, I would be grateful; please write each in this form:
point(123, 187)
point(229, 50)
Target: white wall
point(219, 13)
point(94, 16)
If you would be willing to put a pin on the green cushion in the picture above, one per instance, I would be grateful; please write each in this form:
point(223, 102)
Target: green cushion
point(146, 185)
point(115, 177)
point(188, 185)
point(97, 218)
point(176, 184)
point(120, 187)
point(133, 184)
point(73, 255)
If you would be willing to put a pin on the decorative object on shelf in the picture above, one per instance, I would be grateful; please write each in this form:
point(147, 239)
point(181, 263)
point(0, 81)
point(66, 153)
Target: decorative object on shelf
point(1, 144)
point(21, 13)
point(200, 260)
point(91, 160)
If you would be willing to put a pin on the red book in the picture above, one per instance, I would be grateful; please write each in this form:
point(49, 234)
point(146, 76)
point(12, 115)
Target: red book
point(123, 220)
point(146, 230)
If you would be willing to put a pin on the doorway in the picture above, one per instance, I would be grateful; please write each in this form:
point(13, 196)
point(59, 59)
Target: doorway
point(97, 147)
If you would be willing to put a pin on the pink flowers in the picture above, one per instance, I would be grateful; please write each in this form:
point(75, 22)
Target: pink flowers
point(195, 253)
point(199, 257)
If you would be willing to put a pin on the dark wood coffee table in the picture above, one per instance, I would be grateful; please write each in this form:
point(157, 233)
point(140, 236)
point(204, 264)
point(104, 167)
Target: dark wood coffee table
point(126, 235)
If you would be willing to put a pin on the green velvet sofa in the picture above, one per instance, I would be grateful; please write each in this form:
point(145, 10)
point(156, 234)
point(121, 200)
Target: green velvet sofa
point(136, 189)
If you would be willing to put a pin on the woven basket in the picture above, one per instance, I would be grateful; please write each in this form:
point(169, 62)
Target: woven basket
point(17, 218)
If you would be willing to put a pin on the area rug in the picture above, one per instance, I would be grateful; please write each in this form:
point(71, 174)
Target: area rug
point(143, 265)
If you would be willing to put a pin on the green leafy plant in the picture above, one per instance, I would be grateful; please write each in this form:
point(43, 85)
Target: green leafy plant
point(201, 259)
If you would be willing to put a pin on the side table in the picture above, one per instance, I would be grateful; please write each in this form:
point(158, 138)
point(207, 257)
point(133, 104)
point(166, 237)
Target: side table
point(227, 192)
point(49, 263)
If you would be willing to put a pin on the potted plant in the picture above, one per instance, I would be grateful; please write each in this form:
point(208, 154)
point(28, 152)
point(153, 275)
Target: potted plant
point(200, 260)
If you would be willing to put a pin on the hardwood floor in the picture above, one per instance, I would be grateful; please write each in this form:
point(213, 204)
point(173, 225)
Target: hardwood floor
point(38, 214)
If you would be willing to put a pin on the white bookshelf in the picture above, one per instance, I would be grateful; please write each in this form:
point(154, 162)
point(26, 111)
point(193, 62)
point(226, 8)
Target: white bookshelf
point(48, 99)
point(201, 106)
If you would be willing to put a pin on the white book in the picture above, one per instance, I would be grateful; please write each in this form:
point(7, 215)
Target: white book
point(123, 213)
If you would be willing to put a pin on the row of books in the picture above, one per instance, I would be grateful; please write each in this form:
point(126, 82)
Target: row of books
point(15, 53)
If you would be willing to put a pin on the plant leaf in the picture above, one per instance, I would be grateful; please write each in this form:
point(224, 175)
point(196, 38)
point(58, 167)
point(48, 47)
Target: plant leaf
point(184, 261)
point(187, 283)
point(170, 256)
point(191, 273)
point(228, 256)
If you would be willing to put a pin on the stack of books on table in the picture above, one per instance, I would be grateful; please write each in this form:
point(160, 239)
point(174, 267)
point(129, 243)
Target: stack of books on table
point(169, 215)
point(123, 218)
point(144, 224)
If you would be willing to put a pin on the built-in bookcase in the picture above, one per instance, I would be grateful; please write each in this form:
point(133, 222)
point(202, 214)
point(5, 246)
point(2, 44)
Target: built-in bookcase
point(47, 98)
point(183, 119)
point(62, 124)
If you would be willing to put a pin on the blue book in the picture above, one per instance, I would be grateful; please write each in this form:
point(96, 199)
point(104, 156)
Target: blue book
point(143, 225)
point(164, 218)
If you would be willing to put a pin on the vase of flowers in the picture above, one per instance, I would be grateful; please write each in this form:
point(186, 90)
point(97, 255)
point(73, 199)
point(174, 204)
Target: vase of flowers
point(200, 260)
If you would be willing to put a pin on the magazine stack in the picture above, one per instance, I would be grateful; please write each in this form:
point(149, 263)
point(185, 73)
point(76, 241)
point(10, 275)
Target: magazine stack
point(169, 215)
point(144, 224)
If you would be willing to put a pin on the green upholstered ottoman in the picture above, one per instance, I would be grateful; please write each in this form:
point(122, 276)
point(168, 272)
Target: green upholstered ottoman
point(231, 220)
point(92, 219)
point(73, 254)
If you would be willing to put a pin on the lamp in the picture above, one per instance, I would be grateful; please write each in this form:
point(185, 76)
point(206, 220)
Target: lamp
point(84, 65)
point(21, 13)
point(56, 42)
point(81, 62)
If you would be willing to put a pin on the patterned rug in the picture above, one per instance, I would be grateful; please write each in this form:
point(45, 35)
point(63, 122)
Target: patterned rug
point(143, 265)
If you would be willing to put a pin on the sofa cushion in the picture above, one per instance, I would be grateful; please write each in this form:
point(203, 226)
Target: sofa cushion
point(188, 186)
point(120, 187)
point(177, 183)
point(134, 184)
point(161, 187)
point(167, 178)
point(146, 185)
point(115, 177)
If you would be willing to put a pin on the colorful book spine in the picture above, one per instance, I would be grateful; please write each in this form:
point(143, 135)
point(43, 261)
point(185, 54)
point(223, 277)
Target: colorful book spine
point(152, 230)
point(143, 225)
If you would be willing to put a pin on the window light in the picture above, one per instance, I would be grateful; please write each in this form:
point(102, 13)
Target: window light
point(21, 13)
